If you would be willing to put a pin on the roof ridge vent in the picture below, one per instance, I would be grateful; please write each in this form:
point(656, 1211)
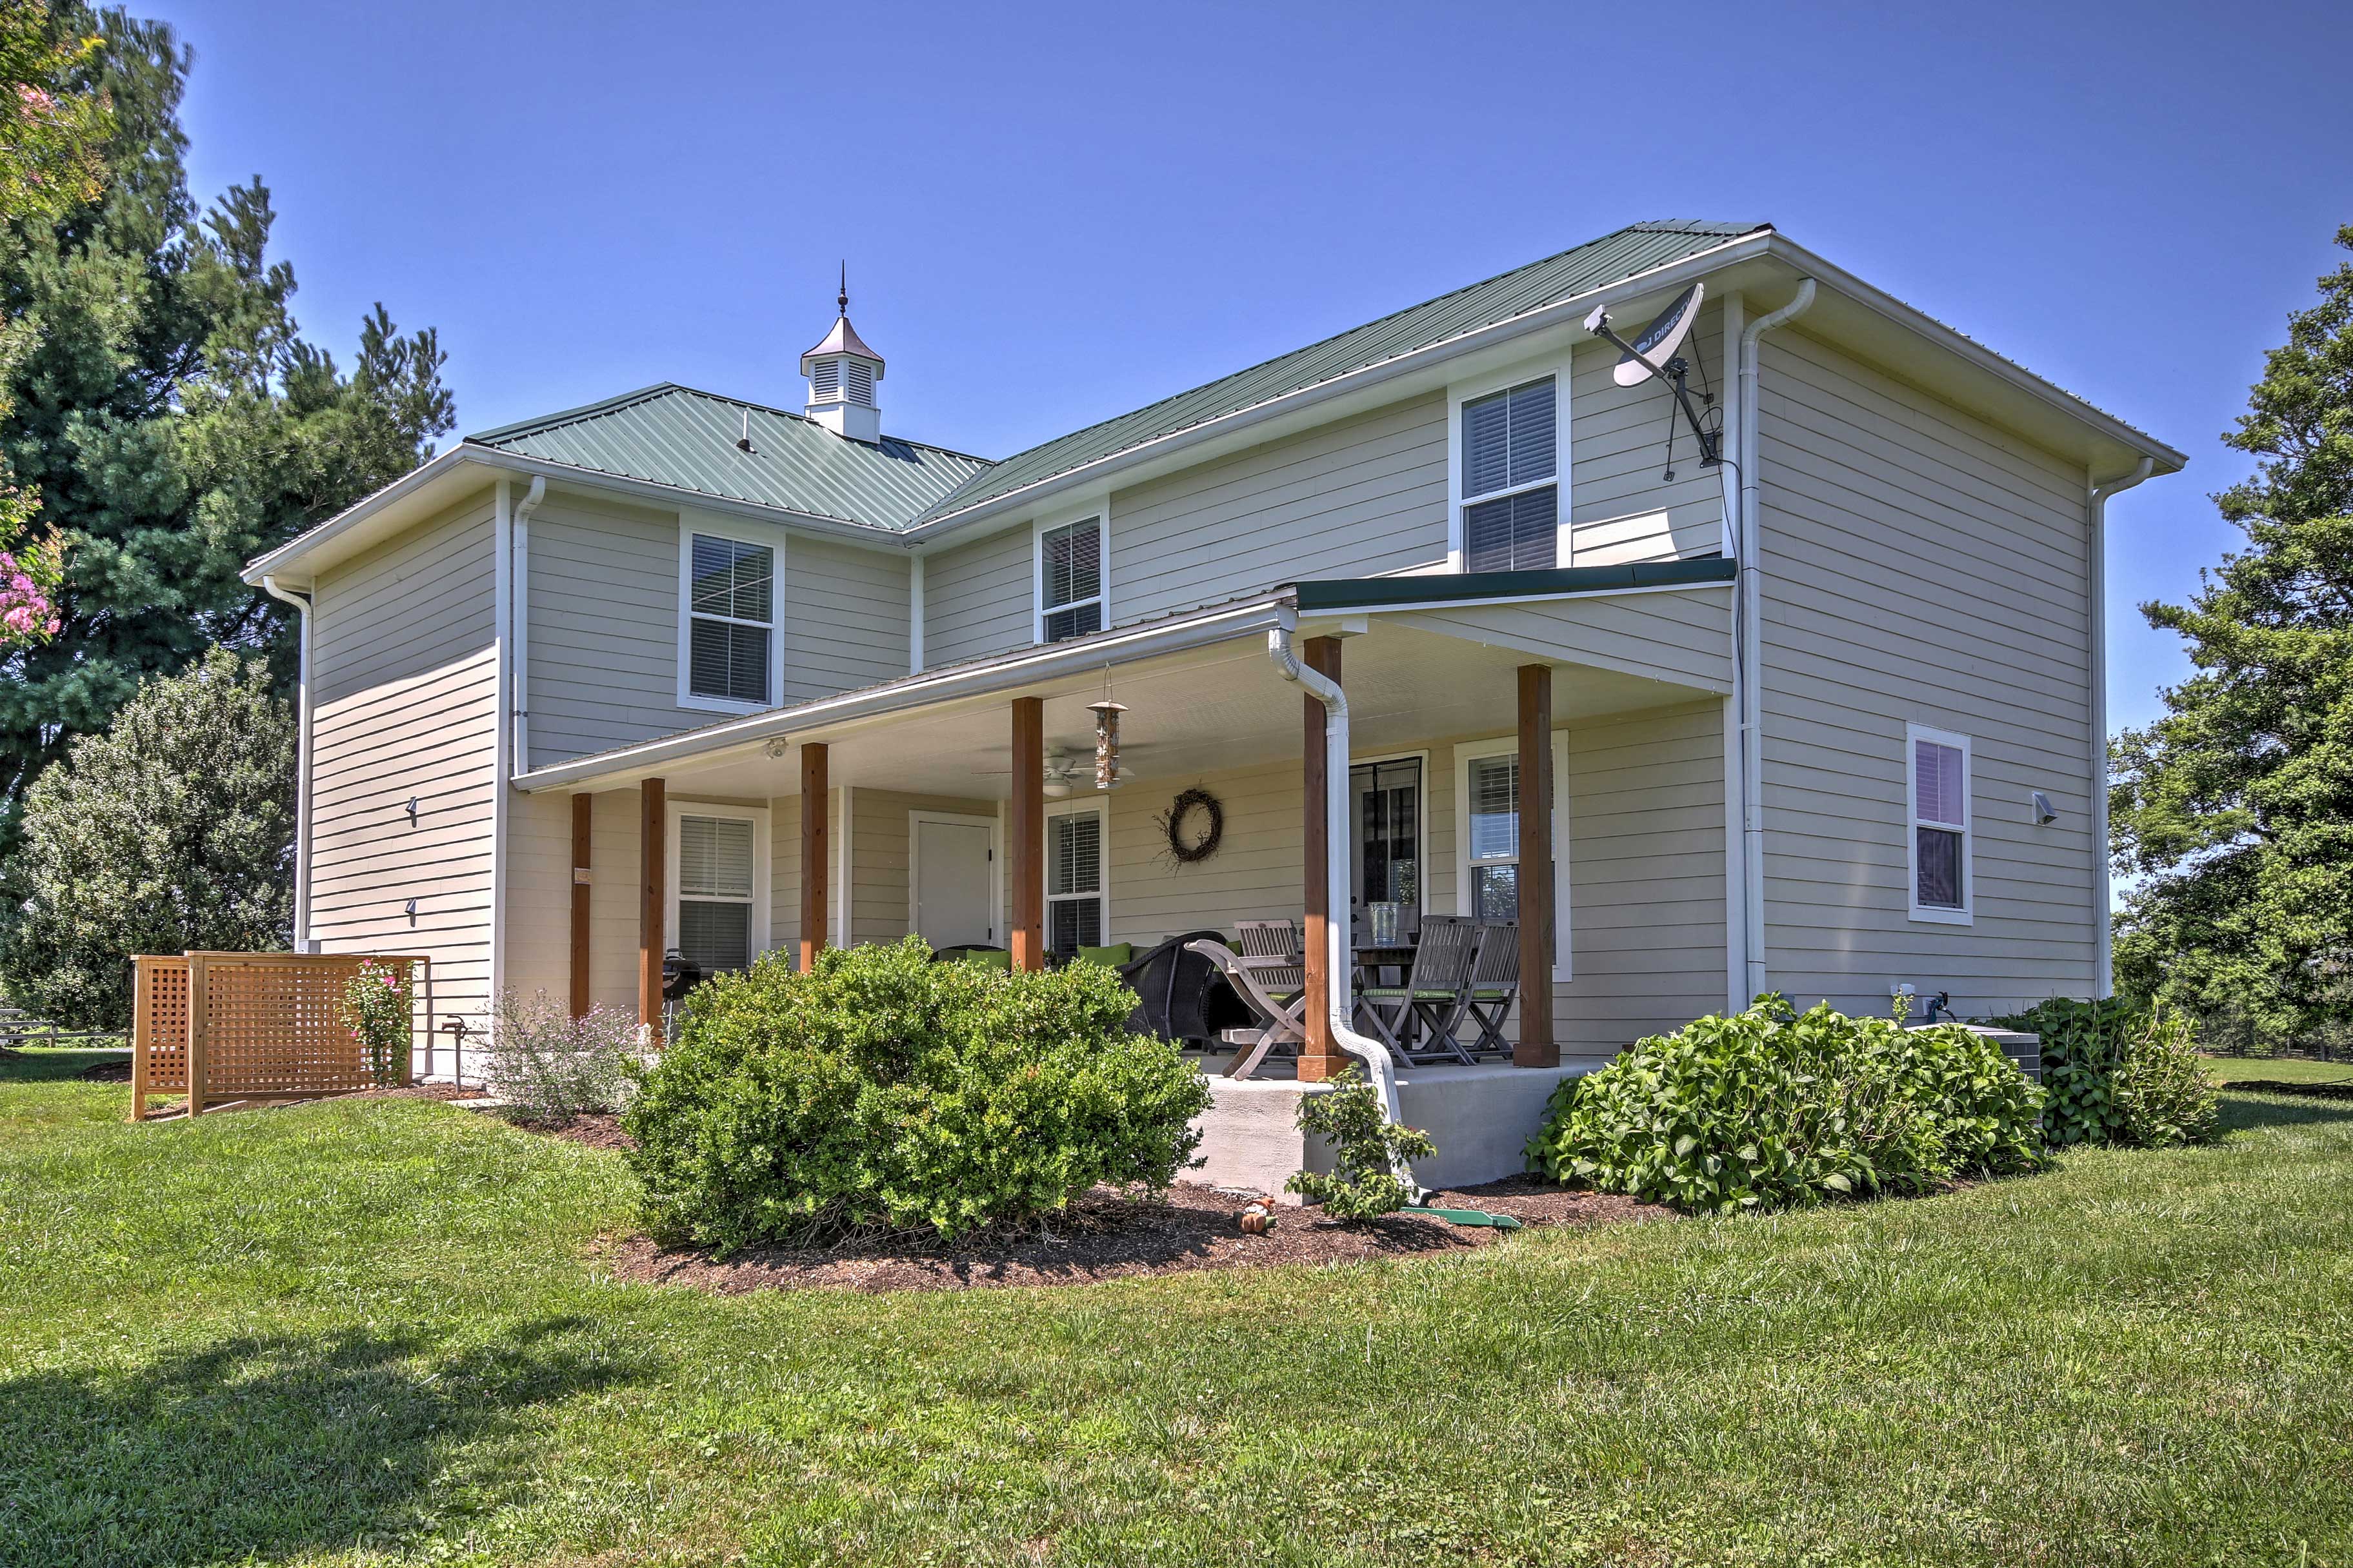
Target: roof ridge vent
point(842, 373)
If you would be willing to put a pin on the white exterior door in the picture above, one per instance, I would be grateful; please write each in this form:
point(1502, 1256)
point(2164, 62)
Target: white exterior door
point(954, 878)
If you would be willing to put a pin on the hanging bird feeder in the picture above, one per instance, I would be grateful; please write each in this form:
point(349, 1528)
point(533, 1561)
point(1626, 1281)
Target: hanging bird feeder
point(1106, 714)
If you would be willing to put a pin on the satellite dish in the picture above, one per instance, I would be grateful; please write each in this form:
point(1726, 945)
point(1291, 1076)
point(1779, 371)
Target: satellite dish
point(1657, 344)
point(1656, 352)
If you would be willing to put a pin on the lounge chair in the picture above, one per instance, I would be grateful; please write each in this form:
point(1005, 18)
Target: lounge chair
point(1278, 1021)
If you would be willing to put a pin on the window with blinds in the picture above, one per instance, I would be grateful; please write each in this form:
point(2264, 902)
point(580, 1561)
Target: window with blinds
point(1939, 770)
point(1511, 470)
point(1069, 581)
point(730, 620)
point(715, 872)
point(1493, 802)
point(1074, 882)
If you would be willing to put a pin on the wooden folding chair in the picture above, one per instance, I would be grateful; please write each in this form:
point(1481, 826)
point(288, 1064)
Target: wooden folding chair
point(1280, 1021)
point(1430, 1005)
point(1494, 984)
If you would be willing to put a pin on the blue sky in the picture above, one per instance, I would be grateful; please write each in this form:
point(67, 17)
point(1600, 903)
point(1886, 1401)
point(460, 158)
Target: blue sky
point(1053, 215)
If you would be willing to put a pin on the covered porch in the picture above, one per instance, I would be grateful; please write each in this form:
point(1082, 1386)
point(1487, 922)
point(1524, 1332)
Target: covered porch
point(965, 806)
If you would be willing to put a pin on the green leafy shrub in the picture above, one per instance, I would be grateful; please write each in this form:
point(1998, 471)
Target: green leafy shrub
point(1768, 1110)
point(1365, 1149)
point(2121, 1072)
point(886, 1092)
point(381, 1014)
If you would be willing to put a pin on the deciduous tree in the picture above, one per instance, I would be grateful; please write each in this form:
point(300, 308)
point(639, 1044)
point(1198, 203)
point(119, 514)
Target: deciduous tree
point(174, 830)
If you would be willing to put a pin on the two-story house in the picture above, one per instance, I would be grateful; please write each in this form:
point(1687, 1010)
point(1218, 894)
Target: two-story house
point(677, 671)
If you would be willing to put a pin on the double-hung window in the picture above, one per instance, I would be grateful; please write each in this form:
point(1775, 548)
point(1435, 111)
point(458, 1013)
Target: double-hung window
point(730, 628)
point(1070, 580)
point(718, 878)
point(1510, 465)
point(1488, 839)
point(1074, 880)
point(1937, 783)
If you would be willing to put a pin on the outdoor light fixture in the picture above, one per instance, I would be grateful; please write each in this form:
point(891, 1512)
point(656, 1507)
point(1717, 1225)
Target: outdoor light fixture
point(412, 811)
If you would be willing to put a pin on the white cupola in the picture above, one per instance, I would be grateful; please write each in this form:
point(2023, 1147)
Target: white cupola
point(841, 373)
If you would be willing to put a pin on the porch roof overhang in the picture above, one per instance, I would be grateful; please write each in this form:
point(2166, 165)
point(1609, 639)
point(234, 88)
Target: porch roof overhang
point(1202, 694)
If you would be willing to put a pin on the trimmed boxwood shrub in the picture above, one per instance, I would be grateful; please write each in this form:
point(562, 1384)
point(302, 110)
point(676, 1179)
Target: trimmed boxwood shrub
point(1768, 1110)
point(2121, 1072)
point(884, 1092)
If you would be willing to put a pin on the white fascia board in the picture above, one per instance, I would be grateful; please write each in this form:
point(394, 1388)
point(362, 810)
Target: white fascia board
point(1832, 277)
point(828, 717)
point(1568, 312)
point(287, 557)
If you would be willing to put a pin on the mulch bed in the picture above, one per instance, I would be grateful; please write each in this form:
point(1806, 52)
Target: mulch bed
point(1106, 1236)
point(2339, 1091)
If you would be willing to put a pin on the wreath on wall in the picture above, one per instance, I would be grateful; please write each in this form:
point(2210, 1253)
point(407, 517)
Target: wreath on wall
point(1193, 824)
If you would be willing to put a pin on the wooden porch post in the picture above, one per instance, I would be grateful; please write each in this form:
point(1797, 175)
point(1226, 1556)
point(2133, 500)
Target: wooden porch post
point(582, 808)
point(653, 892)
point(1320, 1059)
point(1536, 1046)
point(817, 849)
point(1028, 813)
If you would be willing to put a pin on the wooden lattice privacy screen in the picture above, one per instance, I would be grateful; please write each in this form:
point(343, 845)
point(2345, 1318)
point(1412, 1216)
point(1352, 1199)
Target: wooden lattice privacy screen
point(250, 1025)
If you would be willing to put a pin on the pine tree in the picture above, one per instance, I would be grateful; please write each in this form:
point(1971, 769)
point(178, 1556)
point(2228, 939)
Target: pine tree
point(2237, 806)
point(168, 415)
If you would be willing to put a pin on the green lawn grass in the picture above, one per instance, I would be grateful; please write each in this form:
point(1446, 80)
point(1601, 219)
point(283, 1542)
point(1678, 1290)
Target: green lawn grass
point(370, 1331)
point(2278, 1069)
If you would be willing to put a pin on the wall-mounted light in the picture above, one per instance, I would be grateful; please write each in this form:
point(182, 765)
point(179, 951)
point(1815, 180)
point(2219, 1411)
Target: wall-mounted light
point(411, 809)
point(410, 909)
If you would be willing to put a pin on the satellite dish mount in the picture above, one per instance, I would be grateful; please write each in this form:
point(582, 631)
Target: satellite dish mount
point(1655, 353)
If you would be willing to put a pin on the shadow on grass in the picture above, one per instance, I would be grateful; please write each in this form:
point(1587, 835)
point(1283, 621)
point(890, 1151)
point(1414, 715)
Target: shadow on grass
point(2242, 1109)
point(267, 1447)
point(50, 1063)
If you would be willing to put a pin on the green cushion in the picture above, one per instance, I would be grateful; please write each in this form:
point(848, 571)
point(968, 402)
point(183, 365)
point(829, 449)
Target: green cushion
point(1398, 993)
point(1003, 961)
point(1111, 957)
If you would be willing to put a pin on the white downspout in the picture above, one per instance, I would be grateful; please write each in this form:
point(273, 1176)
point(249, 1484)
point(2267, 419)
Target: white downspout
point(301, 603)
point(1338, 941)
point(1749, 651)
point(2102, 975)
point(1727, 474)
point(915, 615)
point(519, 620)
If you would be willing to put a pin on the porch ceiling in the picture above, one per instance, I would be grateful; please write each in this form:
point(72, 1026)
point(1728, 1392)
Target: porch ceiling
point(1201, 711)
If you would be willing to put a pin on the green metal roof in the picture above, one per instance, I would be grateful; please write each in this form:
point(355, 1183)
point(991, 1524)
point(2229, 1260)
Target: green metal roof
point(675, 435)
point(1384, 593)
point(1639, 248)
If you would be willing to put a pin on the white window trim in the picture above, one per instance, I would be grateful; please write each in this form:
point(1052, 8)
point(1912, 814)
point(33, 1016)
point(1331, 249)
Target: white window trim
point(1421, 811)
point(737, 533)
point(1931, 913)
point(1506, 746)
point(995, 859)
point(1100, 515)
point(1047, 898)
point(763, 865)
point(1457, 545)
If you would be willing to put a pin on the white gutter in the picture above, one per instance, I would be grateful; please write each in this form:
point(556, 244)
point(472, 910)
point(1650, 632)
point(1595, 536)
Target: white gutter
point(519, 618)
point(2099, 491)
point(1748, 648)
point(1338, 939)
point(804, 722)
point(301, 603)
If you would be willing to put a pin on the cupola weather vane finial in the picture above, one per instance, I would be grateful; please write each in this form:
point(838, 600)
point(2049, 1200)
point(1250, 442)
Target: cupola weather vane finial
point(842, 300)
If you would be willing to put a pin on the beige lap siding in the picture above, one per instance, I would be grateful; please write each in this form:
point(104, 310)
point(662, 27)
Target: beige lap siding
point(979, 598)
point(1359, 498)
point(845, 618)
point(880, 847)
point(1920, 565)
point(405, 672)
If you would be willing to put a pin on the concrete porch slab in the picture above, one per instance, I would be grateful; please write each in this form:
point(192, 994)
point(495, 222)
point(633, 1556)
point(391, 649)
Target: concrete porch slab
point(1480, 1117)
